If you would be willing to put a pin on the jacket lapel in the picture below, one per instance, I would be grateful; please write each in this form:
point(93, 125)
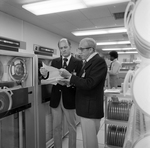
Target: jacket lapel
point(90, 61)
point(60, 62)
point(88, 64)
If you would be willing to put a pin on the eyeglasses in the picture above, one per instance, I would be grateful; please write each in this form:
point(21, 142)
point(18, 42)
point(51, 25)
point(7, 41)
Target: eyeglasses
point(81, 49)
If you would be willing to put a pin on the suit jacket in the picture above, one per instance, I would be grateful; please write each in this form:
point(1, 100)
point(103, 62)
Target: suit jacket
point(68, 93)
point(89, 88)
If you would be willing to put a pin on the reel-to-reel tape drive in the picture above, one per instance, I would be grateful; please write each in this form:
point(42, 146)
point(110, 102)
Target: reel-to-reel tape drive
point(16, 76)
point(13, 69)
point(16, 96)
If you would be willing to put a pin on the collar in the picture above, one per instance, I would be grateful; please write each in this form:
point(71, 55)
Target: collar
point(114, 60)
point(69, 57)
point(91, 56)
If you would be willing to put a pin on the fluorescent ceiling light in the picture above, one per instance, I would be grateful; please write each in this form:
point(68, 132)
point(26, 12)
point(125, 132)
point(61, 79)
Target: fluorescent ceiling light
point(103, 2)
point(116, 49)
point(114, 43)
point(54, 6)
point(128, 52)
point(100, 31)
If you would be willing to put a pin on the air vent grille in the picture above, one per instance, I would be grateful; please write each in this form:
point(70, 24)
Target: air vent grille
point(119, 15)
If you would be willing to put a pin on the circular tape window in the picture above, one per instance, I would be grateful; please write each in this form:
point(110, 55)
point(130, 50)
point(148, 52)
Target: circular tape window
point(17, 69)
point(141, 89)
point(5, 100)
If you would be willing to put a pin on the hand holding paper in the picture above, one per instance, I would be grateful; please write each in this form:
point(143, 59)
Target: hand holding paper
point(64, 82)
point(43, 71)
point(54, 75)
point(64, 73)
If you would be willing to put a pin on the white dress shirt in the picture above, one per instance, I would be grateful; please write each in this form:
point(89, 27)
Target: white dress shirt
point(115, 67)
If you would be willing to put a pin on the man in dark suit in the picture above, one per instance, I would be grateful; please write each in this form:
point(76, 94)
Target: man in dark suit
point(63, 97)
point(89, 91)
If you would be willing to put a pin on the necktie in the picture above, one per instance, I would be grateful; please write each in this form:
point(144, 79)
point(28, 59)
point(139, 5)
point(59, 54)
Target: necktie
point(110, 66)
point(65, 63)
point(84, 62)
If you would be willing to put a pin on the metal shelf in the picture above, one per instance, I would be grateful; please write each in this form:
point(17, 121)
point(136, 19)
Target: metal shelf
point(111, 146)
point(116, 122)
point(113, 122)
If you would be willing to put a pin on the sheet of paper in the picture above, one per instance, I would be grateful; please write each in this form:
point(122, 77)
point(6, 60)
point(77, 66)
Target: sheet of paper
point(54, 75)
point(53, 72)
point(49, 81)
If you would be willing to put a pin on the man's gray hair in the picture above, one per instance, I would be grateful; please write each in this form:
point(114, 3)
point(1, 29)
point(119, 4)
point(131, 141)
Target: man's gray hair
point(90, 42)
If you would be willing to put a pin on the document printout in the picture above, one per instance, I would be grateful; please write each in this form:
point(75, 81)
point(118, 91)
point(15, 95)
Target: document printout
point(54, 75)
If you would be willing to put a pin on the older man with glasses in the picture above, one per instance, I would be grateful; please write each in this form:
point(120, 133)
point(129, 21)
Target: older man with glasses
point(89, 91)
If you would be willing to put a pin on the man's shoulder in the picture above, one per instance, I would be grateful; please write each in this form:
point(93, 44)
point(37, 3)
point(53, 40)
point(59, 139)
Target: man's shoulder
point(99, 58)
point(116, 61)
point(76, 60)
point(56, 59)
point(119, 62)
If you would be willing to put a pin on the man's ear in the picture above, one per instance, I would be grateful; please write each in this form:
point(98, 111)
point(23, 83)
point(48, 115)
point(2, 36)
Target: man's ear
point(91, 50)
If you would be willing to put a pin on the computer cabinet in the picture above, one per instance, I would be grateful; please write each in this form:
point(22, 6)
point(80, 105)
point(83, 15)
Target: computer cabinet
point(117, 111)
point(16, 100)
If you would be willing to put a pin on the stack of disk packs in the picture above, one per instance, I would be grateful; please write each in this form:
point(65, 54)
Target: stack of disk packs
point(119, 110)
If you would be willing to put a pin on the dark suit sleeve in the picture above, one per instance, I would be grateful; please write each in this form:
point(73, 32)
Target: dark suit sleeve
point(95, 74)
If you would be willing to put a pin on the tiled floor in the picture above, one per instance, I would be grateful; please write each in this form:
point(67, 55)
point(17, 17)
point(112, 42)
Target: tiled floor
point(79, 137)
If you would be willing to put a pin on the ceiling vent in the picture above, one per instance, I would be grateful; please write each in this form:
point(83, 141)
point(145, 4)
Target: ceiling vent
point(119, 15)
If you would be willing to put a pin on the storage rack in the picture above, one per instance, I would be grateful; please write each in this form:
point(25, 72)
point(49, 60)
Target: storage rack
point(117, 112)
point(138, 127)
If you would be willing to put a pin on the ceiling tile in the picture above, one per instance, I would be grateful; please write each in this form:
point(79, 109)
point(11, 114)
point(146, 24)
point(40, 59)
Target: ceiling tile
point(110, 37)
point(96, 12)
point(104, 22)
point(85, 24)
point(52, 18)
point(66, 26)
point(117, 8)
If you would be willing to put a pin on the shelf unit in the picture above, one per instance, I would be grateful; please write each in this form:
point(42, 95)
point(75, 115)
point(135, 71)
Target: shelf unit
point(128, 66)
point(117, 110)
